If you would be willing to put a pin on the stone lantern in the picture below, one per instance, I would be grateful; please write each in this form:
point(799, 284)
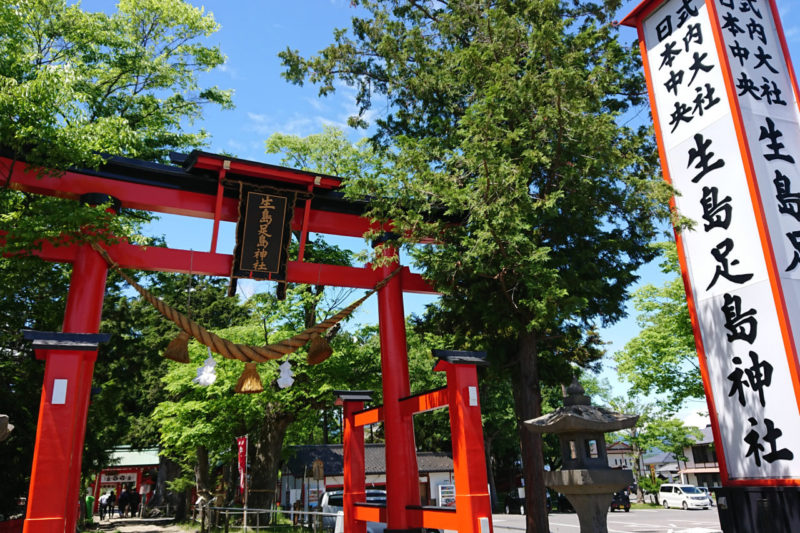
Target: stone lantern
point(585, 479)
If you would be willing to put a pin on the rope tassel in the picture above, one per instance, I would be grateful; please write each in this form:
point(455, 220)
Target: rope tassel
point(249, 382)
point(178, 348)
point(231, 350)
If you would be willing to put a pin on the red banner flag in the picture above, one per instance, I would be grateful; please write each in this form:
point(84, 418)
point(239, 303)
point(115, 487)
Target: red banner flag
point(242, 443)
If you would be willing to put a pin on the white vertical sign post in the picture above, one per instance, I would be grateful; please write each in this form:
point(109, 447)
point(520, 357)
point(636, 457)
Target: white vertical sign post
point(725, 107)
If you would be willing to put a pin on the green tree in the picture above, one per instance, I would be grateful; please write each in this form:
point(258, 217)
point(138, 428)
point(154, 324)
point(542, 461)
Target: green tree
point(130, 366)
point(217, 415)
point(329, 152)
point(662, 358)
point(267, 416)
point(503, 130)
point(32, 295)
point(76, 86)
point(654, 430)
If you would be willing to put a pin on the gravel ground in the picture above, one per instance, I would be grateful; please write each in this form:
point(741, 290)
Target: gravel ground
point(141, 525)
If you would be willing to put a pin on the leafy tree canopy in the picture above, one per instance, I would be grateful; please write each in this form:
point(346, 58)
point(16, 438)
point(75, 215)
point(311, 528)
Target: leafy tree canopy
point(662, 358)
point(76, 86)
point(655, 429)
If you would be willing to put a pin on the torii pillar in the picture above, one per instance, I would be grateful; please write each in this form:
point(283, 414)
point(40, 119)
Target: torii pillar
point(69, 363)
point(402, 475)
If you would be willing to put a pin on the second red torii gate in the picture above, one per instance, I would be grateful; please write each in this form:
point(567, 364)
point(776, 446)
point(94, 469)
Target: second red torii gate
point(197, 189)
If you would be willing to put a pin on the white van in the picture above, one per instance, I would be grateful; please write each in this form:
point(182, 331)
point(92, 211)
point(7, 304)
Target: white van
point(686, 496)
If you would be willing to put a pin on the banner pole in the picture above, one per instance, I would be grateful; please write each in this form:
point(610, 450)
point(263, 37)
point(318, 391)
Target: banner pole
point(246, 484)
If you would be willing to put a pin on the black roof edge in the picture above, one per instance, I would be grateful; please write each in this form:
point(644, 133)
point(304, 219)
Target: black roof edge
point(461, 357)
point(190, 160)
point(54, 340)
point(354, 395)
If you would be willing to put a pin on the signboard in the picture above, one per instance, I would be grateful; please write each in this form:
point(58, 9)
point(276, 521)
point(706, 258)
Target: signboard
point(118, 477)
point(318, 469)
point(729, 135)
point(262, 235)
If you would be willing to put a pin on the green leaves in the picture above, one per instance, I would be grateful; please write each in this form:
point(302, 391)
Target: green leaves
point(504, 117)
point(75, 85)
point(662, 358)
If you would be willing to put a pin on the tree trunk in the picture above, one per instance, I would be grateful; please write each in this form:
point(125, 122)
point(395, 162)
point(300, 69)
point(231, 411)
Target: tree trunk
point(266, 457)
point(168, 470)
point(233, 493)
point(528, 401)
point(325, 428)
point(182, 506)
point(202, 484)
point(637, 473)
point(201, 472)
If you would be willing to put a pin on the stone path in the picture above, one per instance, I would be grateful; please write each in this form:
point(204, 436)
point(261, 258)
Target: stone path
point(141, 525)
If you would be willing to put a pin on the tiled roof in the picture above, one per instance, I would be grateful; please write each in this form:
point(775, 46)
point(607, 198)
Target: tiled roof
point(302, 457)
point(657, 457)
point(619, 446)
point(708, 436)
point(125, 456)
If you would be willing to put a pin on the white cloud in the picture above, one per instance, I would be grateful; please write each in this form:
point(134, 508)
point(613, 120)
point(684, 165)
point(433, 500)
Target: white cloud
point(235, 145)
point(698, 419)
point(316, 103)
point(257, 117)
point(260, 123)
point(298, 125)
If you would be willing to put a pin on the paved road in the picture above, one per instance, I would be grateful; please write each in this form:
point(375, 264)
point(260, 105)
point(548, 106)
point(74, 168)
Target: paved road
point(636, 521)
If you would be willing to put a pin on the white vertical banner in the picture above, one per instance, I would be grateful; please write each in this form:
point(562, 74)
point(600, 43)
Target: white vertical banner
point(731, 143)
point(771, 123)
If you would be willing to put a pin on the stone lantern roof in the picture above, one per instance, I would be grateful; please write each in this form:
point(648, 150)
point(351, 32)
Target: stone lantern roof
point(579, 415)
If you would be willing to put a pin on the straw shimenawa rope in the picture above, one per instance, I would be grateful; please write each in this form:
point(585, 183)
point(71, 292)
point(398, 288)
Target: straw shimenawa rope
point(231, 350)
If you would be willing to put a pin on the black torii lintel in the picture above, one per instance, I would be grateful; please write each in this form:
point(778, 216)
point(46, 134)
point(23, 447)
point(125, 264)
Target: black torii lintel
point(353, 395)
point(53, 340)
point(461, 357)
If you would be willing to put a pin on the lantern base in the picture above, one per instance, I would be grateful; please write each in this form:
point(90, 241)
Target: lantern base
point(589, 490)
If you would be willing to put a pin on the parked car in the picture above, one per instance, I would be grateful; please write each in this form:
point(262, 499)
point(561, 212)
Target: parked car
point(562, 504)
point(707, 492)
point(514, 503)
point(331, 502)
point(621, 500)
point(685, 496)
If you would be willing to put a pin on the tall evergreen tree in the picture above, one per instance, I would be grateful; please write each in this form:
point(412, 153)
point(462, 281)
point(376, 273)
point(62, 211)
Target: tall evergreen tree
point(504, 127)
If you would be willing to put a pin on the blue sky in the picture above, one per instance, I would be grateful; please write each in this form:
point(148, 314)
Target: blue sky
point(251, 35)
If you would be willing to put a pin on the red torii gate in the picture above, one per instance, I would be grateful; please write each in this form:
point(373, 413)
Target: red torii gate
point(197, 189)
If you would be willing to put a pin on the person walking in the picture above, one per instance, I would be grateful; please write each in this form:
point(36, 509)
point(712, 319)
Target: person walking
point(103, 505)
point(122, 501)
